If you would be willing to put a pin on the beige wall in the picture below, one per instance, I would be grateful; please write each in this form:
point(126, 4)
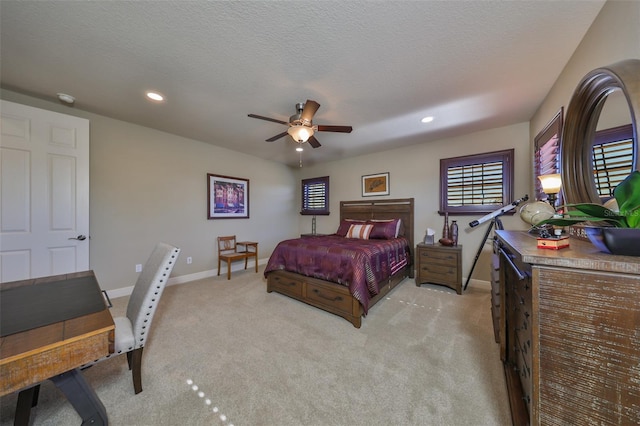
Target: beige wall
point(147, 185)
point(415, 172)
point(613, 36)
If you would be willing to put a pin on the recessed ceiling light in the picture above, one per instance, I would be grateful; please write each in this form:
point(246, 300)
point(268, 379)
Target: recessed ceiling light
point(155, 96)
point(428, 119)
point(67, 99)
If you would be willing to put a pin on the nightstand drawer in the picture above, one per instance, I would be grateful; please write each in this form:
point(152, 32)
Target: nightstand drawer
point(439, 271)
point(444, 257)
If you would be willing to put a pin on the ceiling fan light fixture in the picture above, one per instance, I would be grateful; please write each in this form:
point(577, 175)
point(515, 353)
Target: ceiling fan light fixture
point(300, 133)
point(299, 148)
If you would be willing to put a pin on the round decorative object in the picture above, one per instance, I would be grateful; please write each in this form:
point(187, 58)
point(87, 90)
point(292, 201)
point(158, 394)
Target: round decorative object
point(535, 212)
point(581, 121)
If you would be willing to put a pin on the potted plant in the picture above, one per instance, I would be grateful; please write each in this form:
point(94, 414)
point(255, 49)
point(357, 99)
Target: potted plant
point(620, 230)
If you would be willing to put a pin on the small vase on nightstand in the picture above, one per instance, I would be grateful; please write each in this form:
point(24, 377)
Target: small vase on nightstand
point(445, 228)
point(453, 233)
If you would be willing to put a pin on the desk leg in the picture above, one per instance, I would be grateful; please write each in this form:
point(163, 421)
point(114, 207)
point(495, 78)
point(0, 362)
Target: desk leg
point(27, 399)
point(83, 398)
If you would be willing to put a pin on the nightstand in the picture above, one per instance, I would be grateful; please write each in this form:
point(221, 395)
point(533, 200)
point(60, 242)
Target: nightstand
point(438, 264)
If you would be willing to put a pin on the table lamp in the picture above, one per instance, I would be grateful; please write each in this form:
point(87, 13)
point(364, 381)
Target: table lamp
point(551, 186)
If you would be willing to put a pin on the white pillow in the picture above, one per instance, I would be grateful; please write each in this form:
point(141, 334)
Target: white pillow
point(360, 231)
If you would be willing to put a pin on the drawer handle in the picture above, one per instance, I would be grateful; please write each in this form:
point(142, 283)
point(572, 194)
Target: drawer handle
point(507, 257)
point(334, 299)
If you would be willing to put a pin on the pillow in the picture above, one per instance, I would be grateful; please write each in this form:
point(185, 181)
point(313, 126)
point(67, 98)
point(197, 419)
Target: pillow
point(360, 230)
point(385, 229)
point(344, 226)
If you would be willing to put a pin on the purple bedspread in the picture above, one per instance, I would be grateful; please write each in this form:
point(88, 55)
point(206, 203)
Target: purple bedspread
point(358, 264)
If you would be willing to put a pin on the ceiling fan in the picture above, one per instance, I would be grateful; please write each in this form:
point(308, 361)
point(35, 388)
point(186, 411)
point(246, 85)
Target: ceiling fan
point(301, 127)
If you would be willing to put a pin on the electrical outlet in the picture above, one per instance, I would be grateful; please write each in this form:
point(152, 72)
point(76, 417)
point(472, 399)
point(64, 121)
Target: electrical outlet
point(189, 260)
point(139, 267)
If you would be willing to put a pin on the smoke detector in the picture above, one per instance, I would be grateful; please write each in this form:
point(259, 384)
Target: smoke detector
point(66, 99)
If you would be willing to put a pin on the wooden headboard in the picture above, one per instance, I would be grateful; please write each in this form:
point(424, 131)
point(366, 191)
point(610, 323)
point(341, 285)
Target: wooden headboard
point(382, 209)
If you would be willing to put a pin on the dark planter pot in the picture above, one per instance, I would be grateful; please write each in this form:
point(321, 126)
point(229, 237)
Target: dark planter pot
point(624, 241)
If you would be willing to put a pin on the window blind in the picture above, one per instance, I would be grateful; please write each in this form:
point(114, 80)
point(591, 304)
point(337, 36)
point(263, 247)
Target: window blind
point(612, 163)
point(547, 161)
point(476, 184)
point(315, 196)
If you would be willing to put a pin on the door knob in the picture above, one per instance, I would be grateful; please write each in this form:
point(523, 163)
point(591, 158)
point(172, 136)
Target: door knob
point(79, 238)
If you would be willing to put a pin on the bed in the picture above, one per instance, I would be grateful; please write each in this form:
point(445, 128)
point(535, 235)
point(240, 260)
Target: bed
point(347, 299)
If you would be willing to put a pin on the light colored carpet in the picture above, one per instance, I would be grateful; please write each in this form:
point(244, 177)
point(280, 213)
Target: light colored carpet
point(229, 353)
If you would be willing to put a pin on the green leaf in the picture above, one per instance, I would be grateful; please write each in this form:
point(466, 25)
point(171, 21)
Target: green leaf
point(591, 209)
point(627, 193)
point(617, 221)
point(633, 218)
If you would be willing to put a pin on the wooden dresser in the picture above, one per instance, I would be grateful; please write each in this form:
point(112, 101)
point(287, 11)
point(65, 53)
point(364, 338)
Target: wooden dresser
point(439, 265)
point(569, 333)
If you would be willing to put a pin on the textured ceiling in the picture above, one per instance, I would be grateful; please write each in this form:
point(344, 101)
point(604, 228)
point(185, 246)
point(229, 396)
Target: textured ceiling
point(377, 66)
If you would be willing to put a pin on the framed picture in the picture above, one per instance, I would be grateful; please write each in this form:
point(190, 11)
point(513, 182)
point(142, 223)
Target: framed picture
point(377, 184)
point(228, 197)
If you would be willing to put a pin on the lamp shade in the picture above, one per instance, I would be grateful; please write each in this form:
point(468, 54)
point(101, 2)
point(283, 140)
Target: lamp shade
point(551, 183)
point(300, 133)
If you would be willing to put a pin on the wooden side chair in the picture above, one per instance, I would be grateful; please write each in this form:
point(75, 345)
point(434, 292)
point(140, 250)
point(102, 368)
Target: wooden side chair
point(229, 251)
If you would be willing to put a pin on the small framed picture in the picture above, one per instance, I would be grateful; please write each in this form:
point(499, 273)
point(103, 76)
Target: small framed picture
point(228, 197)
point(377, 184)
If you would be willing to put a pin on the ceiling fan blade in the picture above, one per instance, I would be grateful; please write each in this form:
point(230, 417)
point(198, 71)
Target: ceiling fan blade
point(341, 129)
point(268, 119)
point(276, 137)
point(310, 108)
point(313, 142)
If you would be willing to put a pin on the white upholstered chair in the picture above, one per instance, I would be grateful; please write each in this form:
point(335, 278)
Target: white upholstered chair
point(132, 330)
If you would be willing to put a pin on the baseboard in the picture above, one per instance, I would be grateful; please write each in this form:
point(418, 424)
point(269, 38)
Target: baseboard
point(126, 291)
point(480, 283)
point(181, 279)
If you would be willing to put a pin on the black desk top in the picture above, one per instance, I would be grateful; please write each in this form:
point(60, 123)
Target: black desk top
point(38, 303)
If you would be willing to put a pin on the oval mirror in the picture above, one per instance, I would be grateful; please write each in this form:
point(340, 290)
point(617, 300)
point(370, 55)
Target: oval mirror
point(621, 83)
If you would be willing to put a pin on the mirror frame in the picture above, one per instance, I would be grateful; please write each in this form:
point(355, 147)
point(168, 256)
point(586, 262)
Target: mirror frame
point(581, 122)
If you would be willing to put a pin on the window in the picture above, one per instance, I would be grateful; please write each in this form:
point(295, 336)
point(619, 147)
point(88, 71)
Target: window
point(547, 153)
point(315, 196)
point(612, 156)
point(476, 184)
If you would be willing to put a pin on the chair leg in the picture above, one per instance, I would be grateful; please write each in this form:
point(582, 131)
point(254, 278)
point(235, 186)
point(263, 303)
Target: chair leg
point(218, 266)
point(136, 369)
point(246, 259)
point(228, 269)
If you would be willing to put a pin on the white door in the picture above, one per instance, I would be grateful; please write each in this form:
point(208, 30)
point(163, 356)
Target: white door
point(44, 192)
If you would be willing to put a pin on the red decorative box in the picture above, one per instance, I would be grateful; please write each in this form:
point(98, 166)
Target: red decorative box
point(553, 243)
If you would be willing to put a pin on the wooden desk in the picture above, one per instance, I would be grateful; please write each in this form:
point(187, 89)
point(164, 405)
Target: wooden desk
point(250, 253)
point(56, 349)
